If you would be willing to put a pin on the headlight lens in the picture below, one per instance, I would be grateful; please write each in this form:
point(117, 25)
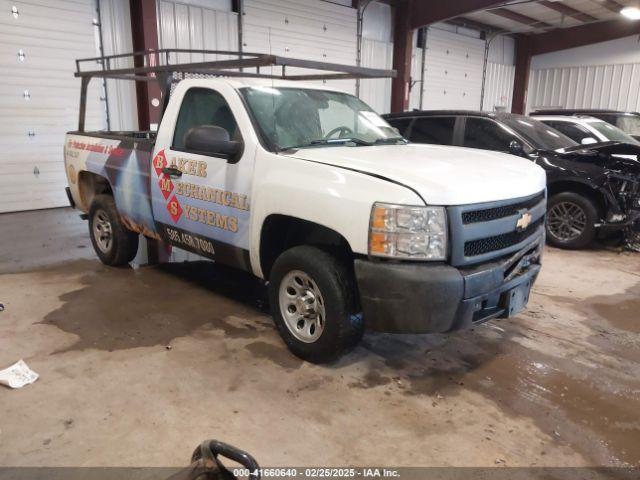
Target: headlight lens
point(398, 231)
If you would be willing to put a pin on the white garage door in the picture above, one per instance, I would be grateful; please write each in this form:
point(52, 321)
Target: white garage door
point(307, 29)
point(453, 73)
point(39, 97)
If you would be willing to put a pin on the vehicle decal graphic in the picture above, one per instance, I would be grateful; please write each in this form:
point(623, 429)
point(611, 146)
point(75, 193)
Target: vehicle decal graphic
point(125, 164)
point(194, 201)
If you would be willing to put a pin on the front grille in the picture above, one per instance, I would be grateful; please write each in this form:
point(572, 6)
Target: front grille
point(499, 242)
point(488, 214)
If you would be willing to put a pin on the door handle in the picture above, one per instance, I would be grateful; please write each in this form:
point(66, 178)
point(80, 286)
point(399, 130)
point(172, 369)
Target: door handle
point(172, 171)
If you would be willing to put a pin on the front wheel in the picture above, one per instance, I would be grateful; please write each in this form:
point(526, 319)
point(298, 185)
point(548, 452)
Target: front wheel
point(313, 302)
point(571, 221)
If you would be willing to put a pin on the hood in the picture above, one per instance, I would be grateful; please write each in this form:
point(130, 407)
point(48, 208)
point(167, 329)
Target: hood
point(606, 148)
point(441, 175)
point(610, 155)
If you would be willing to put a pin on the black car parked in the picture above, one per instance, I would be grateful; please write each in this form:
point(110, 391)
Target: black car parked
point(628, 122)
point(589, 188)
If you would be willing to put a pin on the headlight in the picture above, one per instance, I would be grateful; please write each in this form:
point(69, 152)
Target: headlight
point(417, 233)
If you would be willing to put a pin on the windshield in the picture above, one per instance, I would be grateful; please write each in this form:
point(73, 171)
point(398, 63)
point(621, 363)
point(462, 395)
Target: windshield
point(539, 135)
point(613, 133)
point(629, 123)
point(300, 117)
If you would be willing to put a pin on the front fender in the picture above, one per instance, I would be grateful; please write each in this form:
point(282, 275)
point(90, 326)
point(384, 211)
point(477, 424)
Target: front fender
point(333, 197)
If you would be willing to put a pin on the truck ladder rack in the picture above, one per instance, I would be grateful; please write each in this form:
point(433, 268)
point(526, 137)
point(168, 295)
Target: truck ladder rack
point(163, 66)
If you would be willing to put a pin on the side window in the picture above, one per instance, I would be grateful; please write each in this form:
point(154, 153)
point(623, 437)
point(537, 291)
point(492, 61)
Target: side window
point(203, 106)
point(577, 133)
point(487, 135)
point(436, 130)
point(401, 124)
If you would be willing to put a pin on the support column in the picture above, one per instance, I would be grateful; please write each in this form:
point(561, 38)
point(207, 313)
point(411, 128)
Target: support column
point(402, 45)
point(523, 68)
point(144, 32)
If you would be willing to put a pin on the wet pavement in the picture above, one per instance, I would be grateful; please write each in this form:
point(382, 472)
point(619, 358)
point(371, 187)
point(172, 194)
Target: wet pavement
point(139, 365)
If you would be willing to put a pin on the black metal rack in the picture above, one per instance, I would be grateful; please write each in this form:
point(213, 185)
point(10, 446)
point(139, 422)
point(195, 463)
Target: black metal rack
point(162, 65)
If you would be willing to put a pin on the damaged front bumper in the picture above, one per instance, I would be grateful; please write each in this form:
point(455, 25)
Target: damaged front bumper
point(427, 298)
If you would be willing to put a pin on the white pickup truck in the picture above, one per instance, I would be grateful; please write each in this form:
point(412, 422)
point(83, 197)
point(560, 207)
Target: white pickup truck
point(309, 189)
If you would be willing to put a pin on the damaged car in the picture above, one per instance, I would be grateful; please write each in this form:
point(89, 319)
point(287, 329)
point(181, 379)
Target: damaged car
point(592, 189)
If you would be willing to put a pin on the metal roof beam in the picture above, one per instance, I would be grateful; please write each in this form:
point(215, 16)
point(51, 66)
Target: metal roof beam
point(572, 37)
point(568, 11)
point(611, 5)
point(482, 27)
point(519, 17)
point(424, 12)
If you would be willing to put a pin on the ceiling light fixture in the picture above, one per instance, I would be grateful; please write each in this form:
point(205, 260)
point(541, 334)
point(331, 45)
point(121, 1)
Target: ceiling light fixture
point(631, 12)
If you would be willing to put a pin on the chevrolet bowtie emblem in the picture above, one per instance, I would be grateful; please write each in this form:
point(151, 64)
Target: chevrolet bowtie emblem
point(524, 221)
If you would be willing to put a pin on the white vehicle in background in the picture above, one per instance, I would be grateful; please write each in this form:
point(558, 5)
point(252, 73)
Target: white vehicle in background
point(306, 187)
point(586, 130)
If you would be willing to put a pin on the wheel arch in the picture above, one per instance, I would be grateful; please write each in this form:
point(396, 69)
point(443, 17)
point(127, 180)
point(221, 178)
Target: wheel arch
point(89, 185)
point(281, 232)
point(581, 188)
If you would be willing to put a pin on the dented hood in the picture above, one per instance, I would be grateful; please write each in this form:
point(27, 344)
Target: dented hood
point(441, 175)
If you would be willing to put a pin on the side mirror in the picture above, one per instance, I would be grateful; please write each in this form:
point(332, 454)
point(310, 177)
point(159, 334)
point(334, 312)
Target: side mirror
point(516, 148)
point(212, 140)
point(588, 141)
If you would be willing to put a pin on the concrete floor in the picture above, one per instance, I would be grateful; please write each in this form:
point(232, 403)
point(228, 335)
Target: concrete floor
point(557, 386)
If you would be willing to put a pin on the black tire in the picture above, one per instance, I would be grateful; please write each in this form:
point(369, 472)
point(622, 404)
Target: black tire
point(124, 243)
point(563, 207)
point(342, 325)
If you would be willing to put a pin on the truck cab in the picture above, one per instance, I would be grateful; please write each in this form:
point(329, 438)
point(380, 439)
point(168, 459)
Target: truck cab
point(307, 188)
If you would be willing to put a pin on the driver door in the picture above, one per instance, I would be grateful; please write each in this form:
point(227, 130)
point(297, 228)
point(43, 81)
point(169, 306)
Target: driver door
point(201, 202)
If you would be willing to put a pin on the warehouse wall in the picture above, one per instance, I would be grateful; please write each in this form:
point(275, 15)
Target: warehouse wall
point(377, 52)
point(115, 22)
point(501, 71)
point(603, 75)
point(198, 25)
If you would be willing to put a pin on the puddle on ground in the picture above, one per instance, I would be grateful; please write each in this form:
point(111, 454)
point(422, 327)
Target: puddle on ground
point(621, 311)
point(569, 402)
point(277, 354)
point(125, 308)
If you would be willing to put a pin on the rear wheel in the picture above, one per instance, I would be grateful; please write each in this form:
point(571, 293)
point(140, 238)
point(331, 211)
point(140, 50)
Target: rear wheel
point(313, 301)
point(571, 220)
point(112, 242)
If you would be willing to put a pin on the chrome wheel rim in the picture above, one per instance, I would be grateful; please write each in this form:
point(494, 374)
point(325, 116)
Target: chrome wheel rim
point(566, 221)
point(102, 231)
point(302, 306)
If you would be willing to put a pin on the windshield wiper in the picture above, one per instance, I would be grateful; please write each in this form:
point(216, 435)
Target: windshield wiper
point(342, 141)
point(390, 141)
point(329, 141)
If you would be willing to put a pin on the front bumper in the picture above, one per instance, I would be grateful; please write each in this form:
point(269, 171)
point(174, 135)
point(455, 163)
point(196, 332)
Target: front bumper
point(423, 298)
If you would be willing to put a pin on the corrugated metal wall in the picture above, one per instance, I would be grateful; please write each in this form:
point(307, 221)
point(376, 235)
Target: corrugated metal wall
point(115, 21)
point(377, 52)
point(309, 29)
point(600, 86)
point(192, 25)
point(39, 97)
point(498, 91)
point(416, 78)
point(377, 93)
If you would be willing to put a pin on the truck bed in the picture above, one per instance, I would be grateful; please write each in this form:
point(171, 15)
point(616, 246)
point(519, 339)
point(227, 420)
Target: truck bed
point(148, 135)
